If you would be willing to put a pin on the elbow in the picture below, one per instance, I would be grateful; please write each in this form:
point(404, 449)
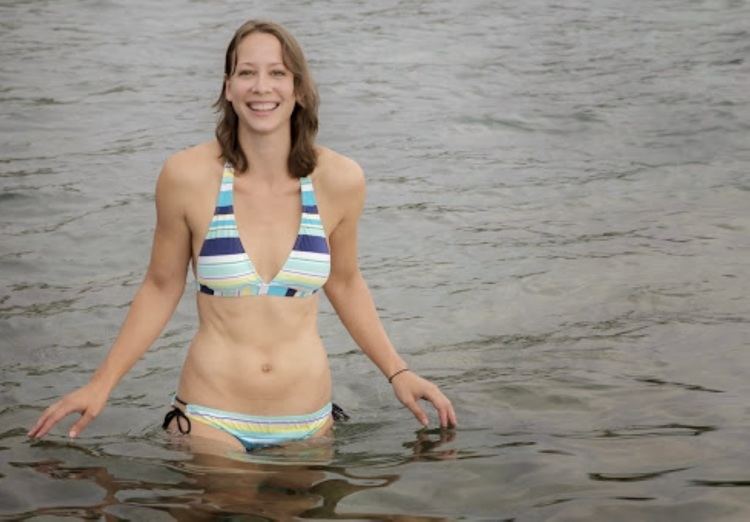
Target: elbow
point(169, 285)
point(343, 284)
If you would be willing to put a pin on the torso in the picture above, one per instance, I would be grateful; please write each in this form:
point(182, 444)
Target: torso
point(256, 354)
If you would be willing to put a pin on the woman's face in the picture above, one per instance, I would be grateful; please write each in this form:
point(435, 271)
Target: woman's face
point(261, 88)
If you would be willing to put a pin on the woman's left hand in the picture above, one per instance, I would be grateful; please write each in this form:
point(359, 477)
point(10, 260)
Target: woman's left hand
point(410, 387)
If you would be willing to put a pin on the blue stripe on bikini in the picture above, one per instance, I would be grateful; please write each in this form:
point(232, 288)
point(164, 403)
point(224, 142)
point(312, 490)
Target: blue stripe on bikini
point(299, 276)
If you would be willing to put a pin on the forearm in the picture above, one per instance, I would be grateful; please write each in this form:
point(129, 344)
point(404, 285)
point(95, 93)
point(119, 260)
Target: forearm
point(149, 312)
point(355, 307)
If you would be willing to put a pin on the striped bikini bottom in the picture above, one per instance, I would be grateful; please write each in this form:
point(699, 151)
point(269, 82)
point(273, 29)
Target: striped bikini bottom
point(254, 431)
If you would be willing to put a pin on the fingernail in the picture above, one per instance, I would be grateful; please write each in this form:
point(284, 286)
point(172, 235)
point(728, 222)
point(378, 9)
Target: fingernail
point(72, 434)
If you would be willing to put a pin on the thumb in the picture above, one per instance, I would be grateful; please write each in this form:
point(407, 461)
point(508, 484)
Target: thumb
point(418, 412)
point(79, 426)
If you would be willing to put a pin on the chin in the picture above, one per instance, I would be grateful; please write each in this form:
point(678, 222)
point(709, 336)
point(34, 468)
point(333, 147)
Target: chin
point(265, 129)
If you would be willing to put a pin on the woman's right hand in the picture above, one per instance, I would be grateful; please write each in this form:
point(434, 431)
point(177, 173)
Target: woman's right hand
point(88, 400)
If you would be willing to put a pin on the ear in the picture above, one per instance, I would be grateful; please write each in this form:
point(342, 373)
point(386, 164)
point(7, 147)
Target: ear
point(227, 92)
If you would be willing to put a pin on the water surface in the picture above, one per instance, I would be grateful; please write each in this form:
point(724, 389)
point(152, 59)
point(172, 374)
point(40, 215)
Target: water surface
point(556, 232)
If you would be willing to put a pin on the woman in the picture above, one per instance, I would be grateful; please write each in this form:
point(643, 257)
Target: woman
point(256, 372)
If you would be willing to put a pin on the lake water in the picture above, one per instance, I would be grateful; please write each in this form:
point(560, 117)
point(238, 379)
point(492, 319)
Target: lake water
point(557, 232)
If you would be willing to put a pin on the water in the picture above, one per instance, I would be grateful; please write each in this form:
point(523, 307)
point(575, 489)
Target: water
point(556, 232)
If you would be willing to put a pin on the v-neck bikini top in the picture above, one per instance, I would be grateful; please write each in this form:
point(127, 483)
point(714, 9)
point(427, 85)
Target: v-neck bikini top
point(224, 268)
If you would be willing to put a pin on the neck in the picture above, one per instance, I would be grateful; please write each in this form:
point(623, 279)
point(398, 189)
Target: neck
point(267, 154)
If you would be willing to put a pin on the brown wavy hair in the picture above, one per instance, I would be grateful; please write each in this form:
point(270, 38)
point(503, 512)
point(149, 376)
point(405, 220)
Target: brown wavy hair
point(304, 121)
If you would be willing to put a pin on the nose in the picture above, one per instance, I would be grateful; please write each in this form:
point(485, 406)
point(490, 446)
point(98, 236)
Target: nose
point(262, 83)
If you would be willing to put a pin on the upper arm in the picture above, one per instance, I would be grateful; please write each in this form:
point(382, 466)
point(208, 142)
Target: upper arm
point(170, 252)
point(349, 196)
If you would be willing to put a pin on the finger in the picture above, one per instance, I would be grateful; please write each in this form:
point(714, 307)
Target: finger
point(447, 413)
point(47, 425)
point(452, 416)
point(418, 412)
point(41, 421)
point(441, 404)
point(32, 432)
point(79, 426)
point(443, 414)
point(35, 427)
point(58, 414)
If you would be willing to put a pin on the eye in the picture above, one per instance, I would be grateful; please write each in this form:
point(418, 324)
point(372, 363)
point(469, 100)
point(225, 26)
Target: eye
point(245, 72)
point(278, 72)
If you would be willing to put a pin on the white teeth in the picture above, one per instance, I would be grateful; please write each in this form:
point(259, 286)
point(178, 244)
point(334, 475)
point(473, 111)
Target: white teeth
point(264, 106)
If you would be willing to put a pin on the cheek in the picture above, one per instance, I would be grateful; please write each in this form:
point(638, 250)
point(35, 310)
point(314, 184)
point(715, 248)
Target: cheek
point(289, 87)
point(234, 89)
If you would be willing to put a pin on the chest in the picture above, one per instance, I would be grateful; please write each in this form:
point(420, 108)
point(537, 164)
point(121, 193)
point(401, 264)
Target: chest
point(268, 223)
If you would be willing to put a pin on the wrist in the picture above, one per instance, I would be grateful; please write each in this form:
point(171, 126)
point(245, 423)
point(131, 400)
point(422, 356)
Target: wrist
point(396, 374)
point(393, 365)
point(104, 382)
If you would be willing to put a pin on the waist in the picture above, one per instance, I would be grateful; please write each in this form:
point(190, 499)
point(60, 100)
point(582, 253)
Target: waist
point(289, 376)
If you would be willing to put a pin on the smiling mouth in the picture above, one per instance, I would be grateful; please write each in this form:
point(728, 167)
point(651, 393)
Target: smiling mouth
point(262, 106)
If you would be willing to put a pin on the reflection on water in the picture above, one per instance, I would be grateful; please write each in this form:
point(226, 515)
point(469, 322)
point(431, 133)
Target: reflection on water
point(273, 484)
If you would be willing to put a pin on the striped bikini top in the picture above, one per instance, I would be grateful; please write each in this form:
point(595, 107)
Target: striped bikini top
point(224, 268)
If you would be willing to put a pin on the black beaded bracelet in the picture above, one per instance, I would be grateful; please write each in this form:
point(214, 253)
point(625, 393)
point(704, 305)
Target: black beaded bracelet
point(390, 379)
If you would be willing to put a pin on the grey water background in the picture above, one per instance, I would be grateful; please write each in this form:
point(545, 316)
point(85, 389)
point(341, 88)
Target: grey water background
point(556, 232)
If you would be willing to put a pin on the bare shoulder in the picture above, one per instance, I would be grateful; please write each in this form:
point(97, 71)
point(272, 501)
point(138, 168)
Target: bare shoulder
point(340, 185)
point(192, 167)
point(339, 175)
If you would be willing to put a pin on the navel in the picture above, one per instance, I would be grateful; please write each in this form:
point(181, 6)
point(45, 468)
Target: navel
point(266, 368)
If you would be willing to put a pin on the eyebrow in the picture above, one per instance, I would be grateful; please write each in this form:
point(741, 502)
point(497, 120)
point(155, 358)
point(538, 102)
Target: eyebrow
point(255, 64)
